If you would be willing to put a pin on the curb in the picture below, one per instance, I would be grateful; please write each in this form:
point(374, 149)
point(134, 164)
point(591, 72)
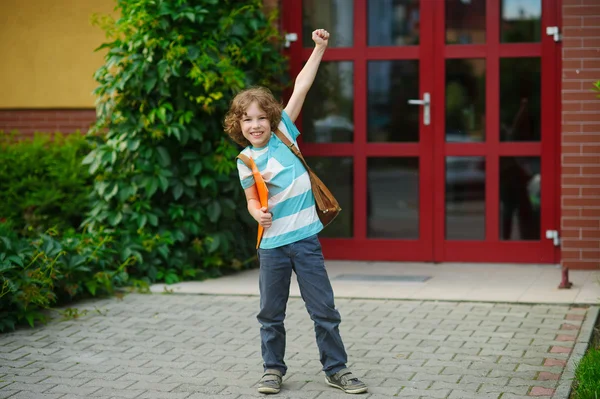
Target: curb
point(563, 391)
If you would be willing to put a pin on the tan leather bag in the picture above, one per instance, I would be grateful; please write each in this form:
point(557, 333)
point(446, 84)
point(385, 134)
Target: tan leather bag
point(327, 206)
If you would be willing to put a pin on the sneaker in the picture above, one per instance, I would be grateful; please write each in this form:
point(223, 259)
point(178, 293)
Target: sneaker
point(344, 380)
point(270, 381)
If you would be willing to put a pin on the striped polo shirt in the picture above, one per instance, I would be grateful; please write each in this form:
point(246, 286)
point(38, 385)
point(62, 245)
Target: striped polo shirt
point(291, 200)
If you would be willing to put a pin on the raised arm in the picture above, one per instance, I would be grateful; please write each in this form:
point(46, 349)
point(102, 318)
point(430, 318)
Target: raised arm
point(306, 77)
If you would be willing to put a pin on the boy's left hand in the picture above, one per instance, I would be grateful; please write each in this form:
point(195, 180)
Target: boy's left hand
point(320, 37)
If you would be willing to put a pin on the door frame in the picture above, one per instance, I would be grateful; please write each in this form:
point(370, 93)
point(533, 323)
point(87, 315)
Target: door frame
point(432, 148)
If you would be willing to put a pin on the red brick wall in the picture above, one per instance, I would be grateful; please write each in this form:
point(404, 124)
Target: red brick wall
point(580, 178)
point(26, 122)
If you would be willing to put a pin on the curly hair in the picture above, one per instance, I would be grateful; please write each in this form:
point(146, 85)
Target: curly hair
point(240, 103)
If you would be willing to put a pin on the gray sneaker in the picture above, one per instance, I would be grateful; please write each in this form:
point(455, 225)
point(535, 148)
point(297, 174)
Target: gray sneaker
point(345, 381)
point(270, 381)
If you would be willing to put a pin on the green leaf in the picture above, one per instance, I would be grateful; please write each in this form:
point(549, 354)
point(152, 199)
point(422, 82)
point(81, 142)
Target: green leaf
point(162, 69)
point(163, 156)
point(189, 181)
point(193, 52)
point(133, 145)
point(153, 219)
point(163, 182)
point(151, 186)
point(113, 191)
point(30, 317)
point(196, 168)
point(91, 286)
point(114, 218)
point(214, 211)
point(150, 83)
point(89, 158)
point(178, 191)
point(142, 221)
point(95, 165)
point(163, 250)
point(15, 259)
point(205, 181)
point(214, 244)
point(162, 114)
point(171, 278)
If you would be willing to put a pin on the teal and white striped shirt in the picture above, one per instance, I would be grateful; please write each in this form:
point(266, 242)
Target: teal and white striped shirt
point(291, 200)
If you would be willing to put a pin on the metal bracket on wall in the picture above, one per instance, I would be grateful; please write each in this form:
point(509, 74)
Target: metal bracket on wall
point(553, 31)
point(289, 38)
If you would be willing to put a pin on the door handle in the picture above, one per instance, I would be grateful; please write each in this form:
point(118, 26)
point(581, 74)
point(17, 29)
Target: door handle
point(426, 103)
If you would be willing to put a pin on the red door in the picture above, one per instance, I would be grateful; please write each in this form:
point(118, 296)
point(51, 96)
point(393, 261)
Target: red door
point(433, 123)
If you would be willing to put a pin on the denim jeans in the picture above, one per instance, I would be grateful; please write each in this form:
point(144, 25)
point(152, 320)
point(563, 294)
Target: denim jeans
point(305, 258)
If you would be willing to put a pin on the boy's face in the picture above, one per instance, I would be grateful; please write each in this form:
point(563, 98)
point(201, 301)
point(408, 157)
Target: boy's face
point(256, 126)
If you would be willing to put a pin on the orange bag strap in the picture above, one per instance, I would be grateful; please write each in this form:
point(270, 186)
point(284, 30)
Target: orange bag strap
point(261, 189)
point(247, 161)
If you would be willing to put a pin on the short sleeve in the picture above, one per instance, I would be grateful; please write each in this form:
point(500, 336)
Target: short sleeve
point(290, 127)
point(246, 177)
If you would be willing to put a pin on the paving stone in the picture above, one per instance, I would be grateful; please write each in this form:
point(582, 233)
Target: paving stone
point(489, 388)
point(77, 390)
point(540, 391)
point(39, 387)
point(35, 395)
point(458, 394)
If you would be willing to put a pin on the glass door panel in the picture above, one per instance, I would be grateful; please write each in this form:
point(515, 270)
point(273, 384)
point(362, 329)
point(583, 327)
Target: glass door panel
point(393, 23)
point(393, 198)
point(465, 100)
point(389, 116)
point(521, 21)
point(328, 112)
point(337, 16)
point(520, 101)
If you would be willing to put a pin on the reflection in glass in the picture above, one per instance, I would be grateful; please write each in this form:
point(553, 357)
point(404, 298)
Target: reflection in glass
point(393, 22)
point(520, 99)
point(336, 16)
point(328, 110)
point(393, 198)
point(465, 198)
point(465, 100)
point(521, 21)
point(337, 174)
point(465, 21)
point(389, 116)
point(520, 198)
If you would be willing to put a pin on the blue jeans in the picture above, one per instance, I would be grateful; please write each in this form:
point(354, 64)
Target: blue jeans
point(305, 258)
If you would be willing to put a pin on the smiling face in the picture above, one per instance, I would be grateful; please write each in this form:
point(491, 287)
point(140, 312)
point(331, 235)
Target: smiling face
point(256, 126)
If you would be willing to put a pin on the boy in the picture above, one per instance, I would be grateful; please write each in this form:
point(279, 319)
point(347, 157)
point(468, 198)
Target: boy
point(291, 225)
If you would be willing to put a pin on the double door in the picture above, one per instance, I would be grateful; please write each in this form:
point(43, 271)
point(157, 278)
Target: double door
point(435, 123)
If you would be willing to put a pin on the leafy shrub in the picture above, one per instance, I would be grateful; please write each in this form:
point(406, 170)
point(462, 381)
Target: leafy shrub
point(162, 165)
point(42, 182)
point(37, 273)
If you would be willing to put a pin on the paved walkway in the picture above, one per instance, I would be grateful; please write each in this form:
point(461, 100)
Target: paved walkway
point(207, 346)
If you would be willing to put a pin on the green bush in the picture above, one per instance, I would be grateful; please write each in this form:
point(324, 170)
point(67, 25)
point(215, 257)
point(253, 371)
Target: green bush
point(42, 182)
point(163, 167)
point(38, 273)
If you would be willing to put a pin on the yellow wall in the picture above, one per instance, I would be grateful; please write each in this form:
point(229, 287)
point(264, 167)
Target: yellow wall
point(47, 52)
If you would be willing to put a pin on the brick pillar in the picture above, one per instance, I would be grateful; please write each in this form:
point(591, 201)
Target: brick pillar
point(580, 176)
